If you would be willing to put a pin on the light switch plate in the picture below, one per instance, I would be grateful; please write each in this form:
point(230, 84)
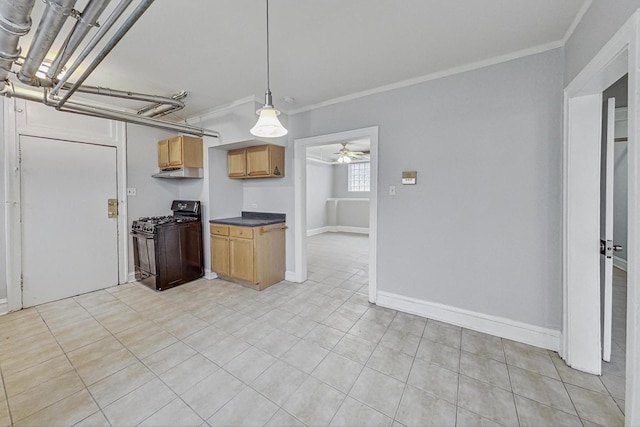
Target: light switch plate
point(392, 190)
point(131, 191)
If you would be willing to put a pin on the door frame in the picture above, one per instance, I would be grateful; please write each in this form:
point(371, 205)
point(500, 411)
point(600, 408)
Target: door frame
point(581, 210)
point(26, 118)
point(300, 199)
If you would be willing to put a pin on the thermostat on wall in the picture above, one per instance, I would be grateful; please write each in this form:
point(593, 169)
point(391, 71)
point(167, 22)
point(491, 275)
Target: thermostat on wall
point(409, 177)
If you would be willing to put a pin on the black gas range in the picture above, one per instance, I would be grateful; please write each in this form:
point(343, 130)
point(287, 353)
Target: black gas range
point(167, 250)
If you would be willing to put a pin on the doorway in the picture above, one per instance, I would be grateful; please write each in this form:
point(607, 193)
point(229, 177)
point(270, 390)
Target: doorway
point(300, 159)
point(69, 242)
point(581, 344)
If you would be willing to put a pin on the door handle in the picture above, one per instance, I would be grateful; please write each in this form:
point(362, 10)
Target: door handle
point(607, 248)
point(617, 248)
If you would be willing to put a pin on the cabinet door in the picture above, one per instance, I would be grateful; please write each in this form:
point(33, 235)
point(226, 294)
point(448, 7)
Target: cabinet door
point(175, 151)
point(258, 161)
point(163, 153)
point(220, 254)
point(236, 164)
point(241, 259)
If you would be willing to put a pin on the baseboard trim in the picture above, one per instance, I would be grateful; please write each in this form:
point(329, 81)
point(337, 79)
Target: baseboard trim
point(620, 263)
point(4, 306)
point(211, 275)
point(337, 229)
point(493, 325)
point(292, 276)
point(132, 277)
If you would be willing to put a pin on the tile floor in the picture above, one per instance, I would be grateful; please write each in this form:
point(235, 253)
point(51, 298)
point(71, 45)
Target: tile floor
point(215, 353)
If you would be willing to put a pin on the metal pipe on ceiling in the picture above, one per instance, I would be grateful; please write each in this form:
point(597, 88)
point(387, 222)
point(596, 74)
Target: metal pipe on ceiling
point(104, 28)
point(126, 26)
point(87, 19)
point(162, 109)
point(162, 100)
point(56, 13)
point(15, 22)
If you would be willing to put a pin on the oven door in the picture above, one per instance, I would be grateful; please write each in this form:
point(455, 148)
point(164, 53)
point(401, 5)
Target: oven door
point(144, 254)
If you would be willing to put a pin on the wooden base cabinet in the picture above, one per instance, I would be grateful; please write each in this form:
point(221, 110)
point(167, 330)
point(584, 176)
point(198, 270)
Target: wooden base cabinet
point(253, 256)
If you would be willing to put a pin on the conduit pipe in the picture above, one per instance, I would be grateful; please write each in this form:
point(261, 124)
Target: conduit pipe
point(162, 108)
point(126, 26)
point(104, 28)
point(54, 17)
point(15, 22)
point(88, 19)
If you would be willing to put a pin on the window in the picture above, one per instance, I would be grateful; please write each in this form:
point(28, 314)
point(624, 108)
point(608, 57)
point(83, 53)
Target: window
point(358, 177)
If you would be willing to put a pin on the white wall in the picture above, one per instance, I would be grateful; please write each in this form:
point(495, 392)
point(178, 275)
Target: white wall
point(340, 187)
point(482, 229)
point(3, 240)
point(598, 25)
point(320, 183)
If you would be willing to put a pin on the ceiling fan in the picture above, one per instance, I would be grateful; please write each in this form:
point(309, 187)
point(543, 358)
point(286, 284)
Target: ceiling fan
point(346, 155)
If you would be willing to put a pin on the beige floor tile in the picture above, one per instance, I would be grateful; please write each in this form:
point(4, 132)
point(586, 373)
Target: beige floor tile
point(97, 419)
point(226, 350)
point(409, 324)
point(541, 389)
point(324, 336)
point(614, 384)
point(354, 348)
point(175, 414)
point(101, 368)
point(279, 382)
point(73, 337)
point(113, 387)
point(298, 326)
point(165, 359)
point(248, 408)
point(530, 358)
point(338, 372)
point(31, 377)
point(354, 413)
point(20, 361)
point(5, 419)
point(254, 332)
point(138, 405)
point(488, 401)
point(212, 393)
point(368, 330)
point(418, 408)
point(380, 315)
point(184, 325)
point(367, 390)
point(65, 412)
point(443, 333)
point(24, 344)
point(433, 379)
point(483, 345)
point(391, 362)
point(205, 338)
point(487, 370)
point(575, 377)
point(233, 322)
point(283, 418)
point(314, 403)
point(339, 321)
point(439, 354)
point(138, 331)
point(250, 364)
point(151, 344)
point(188, 373)
point(532, 414)
point(34, 399)
point(401, 341)
point(596, 407)
point(94, 351)
point(305, 356)
point(277, 342)
point(467, 418)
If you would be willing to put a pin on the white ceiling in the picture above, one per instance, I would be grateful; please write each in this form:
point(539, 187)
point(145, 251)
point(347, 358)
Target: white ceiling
point(320, 50)
point(329, 153)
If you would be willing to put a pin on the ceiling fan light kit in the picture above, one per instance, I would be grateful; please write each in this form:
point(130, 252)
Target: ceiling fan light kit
point(268, 125)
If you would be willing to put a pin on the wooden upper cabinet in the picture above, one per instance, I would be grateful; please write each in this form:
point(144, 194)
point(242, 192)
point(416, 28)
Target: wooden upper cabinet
point(236, 163)
point(179, 151)
point(262, 161)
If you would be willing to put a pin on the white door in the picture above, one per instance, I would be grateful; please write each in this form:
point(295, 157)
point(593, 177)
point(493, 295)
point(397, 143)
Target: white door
point(607, 292)
point(69, 245)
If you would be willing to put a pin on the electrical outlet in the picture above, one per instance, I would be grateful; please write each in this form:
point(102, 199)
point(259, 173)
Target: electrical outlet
point(131, 191)
point(392, 190)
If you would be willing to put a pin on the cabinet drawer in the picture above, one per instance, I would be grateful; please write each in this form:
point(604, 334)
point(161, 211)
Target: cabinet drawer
point(220, 230)
point(244, 232)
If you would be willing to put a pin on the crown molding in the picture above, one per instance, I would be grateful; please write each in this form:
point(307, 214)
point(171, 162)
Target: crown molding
point(576, 20)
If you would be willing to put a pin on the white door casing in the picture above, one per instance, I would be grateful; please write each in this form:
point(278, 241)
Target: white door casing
point(583, 114)
point(300, 188)
point(69, 245)
point(607, 295)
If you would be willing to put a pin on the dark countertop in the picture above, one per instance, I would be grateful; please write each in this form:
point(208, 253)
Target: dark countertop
point(252, 219)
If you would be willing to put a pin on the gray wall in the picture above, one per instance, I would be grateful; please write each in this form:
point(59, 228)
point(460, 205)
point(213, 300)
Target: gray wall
point(340, 184)
point(598, 25)
point(3, 239)
point(482, 229)
point(319, 189)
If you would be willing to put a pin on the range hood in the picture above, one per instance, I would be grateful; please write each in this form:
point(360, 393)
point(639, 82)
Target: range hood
point(180, 173)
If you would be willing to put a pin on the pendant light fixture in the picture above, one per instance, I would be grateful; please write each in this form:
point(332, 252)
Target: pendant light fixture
point(268, 125)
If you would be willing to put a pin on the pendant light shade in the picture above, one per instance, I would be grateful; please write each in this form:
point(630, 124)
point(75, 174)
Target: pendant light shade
point(268, 125)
